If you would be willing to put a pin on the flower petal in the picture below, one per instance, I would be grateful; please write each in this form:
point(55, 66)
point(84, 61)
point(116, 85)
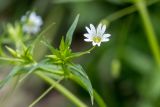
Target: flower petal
point(105, 39)
point(93, 29)
point(99, 29)
point(88, 30)
point(23, 19)
point(93, 43)
point(103, 29)
point(87, 35)
point(106, 35)
point(88, 40)
point(98, 44)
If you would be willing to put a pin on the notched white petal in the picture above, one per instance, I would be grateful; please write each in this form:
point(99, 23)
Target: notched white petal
point(88, 40)
point(88, 30)
point(87, 35)
point(105, 39)
point(106, 35)
point(94, 44)
point(98, 44)
point(93, 29)
point(103, 29)
point(99, 29)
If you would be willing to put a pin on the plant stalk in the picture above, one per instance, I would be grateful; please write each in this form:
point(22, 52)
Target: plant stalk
point(150, 34)
point(124, 12)
point(97, 97)
point(44, 93)
point(61, 89)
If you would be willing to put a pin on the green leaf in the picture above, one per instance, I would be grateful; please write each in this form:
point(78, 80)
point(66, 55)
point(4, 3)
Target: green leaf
point(79, 76)
point(32, 69)
point(8, 59)
point(10, 76)
point(27, 56)
point(42, 66)
point(71, 31)
point(51, 68)
point(62, 45)
point(13, 52)
point(51, 48)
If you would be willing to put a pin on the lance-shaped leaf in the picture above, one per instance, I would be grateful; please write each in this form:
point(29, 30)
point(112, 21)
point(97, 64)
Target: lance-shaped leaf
point(79, 76)
point(12, 51)
point(71, 31)
point(51, 48)
point(11, 60)
point(30, 71)
point(10, 76)
point(51, 68)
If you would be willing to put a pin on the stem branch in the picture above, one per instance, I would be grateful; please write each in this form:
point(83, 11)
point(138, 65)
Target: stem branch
point(45, 93)
point(62, 89)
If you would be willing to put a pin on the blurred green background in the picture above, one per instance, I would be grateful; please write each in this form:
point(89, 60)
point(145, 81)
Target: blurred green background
point(123, 70)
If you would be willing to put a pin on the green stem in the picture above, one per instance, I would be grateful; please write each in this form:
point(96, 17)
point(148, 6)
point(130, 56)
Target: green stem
point(62, 89)
point(13, 88)
point(124, 12)
point(45, 93)
point(120, 13)
point(78, 54)
point(99, 99)
point(149, 30)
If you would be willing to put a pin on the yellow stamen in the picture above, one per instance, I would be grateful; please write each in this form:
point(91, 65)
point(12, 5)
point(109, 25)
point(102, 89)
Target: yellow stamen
point(97, 39)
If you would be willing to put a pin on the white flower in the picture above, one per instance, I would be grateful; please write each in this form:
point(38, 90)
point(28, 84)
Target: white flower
point(31, 23)
point(96, 36)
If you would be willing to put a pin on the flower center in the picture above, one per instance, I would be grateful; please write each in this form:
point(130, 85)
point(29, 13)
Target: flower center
point(97, 39)
point(30, 23)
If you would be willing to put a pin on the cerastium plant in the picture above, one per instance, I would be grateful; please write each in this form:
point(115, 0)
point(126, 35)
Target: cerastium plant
point(53, 68)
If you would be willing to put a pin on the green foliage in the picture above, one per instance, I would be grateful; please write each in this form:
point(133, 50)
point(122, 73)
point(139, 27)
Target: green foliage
point(10, 76)
point(123, 71)
point(63, 57)
point(70, 32)
point(56, 65)
point(79, 75)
